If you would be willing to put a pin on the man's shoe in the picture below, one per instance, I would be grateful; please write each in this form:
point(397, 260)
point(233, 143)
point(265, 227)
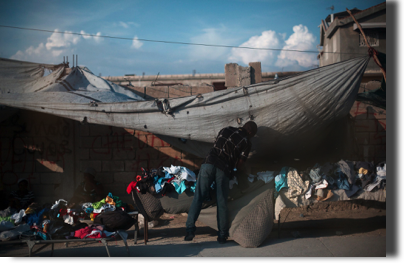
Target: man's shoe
point(189, 236)
point(222, 240)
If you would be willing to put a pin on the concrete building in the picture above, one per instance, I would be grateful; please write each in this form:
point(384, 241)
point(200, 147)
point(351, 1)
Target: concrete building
point(341, 39)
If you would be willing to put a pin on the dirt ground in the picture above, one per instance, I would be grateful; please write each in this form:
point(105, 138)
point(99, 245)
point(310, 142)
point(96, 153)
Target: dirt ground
point(355, 217)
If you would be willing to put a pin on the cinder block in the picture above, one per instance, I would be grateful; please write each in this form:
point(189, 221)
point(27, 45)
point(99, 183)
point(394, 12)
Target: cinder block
point(84, 154)
point(113, 166)
point(91, 163)
point(378, 138)
point(359, 110)
point(380, 151)
point(169, 151)
point(202, 90)
point(365, 126)
point(124, 154)
point(135, 165)
point(45, 190)
point(84, 129)
point(363, 138)
point(105, 178)
point(124, 177)
point(179, 91)
point(95, 129)
point(91, 142)
point(141, 142)
point(157, 91)
point(100, 154)
point(51, 178)
point(116, 189)
point(376, 113)
point(372, 85)
point(154, 141)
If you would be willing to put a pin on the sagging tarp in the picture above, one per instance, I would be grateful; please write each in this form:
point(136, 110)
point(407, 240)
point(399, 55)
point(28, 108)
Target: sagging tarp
point(294, 112)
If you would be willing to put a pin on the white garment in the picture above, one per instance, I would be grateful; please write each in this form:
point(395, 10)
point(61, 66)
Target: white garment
point(18, 216)
point(57, 203)
point(381, 171)
point(105, 208)
point(266, 176)
point(68, 219)
point(319, 185)
point(182, 173)
point(172, 169)
point(251, 178)
point(232, 182)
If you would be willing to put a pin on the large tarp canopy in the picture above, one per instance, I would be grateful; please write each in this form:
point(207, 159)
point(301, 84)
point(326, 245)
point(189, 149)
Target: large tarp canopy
point(292, 112)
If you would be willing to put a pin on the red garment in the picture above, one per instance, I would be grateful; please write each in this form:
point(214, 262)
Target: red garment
point(131, 186)
point(81, 233)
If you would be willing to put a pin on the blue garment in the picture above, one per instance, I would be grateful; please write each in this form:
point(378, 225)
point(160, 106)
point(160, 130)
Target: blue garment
point(159, 181)
point(179, 188)
point(315, 174)
point(280, 181)
point(342, 181)
point(36, 217)
point(207, 175)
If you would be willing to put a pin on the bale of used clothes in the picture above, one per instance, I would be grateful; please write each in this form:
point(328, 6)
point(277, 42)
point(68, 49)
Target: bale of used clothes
point(250, 216)
point(174, 203)
point(115, 220)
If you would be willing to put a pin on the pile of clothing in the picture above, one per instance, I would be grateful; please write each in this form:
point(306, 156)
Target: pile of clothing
point(321, 180)
point(58, 221)
point(110, 203)
point(163, 180)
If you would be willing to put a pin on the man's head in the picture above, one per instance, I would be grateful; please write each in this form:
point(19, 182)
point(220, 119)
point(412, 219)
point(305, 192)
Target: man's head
point(251, 128)
point(22, 184)
point(89, 174)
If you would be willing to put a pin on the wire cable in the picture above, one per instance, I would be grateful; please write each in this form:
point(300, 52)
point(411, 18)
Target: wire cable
point(170, 42)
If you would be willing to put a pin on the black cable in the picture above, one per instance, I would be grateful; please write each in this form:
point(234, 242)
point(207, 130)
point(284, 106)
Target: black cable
point(171, 42)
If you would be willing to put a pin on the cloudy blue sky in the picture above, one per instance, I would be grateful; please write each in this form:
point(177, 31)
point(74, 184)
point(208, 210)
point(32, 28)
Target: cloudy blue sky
point(275, 24)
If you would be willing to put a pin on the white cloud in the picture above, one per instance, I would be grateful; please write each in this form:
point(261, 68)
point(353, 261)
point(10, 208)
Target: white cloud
point(301, 39)
point(56, 45)
point(127, 24)
point(30, 53)
point(267, 39)
point(121, 23)
point(59, 40)
point(96, 37)
point(212, 36)
point(136, 44)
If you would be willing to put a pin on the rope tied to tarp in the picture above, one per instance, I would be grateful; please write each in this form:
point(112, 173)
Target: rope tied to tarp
point(371, 51)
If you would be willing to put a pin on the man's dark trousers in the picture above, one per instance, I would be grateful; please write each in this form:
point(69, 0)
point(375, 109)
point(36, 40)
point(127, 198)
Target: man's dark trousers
point(208, 174)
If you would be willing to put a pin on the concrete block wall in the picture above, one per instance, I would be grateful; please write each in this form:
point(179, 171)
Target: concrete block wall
point(175, 91)
point(118, 155)
point(40, 148)
point(370, 127)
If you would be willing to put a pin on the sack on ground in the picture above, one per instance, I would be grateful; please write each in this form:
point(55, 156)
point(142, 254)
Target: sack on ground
point(115, 220)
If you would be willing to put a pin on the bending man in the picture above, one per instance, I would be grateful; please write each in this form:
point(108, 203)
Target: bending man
point(230, 151)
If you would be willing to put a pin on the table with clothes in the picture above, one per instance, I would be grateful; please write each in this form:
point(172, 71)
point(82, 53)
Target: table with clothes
point(341, 181)
point(58, 223)
point(110, 215)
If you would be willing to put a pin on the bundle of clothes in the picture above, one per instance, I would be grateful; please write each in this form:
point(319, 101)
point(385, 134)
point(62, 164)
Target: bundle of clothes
point(58, 221)
point(163, 180)
point(320, 180)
